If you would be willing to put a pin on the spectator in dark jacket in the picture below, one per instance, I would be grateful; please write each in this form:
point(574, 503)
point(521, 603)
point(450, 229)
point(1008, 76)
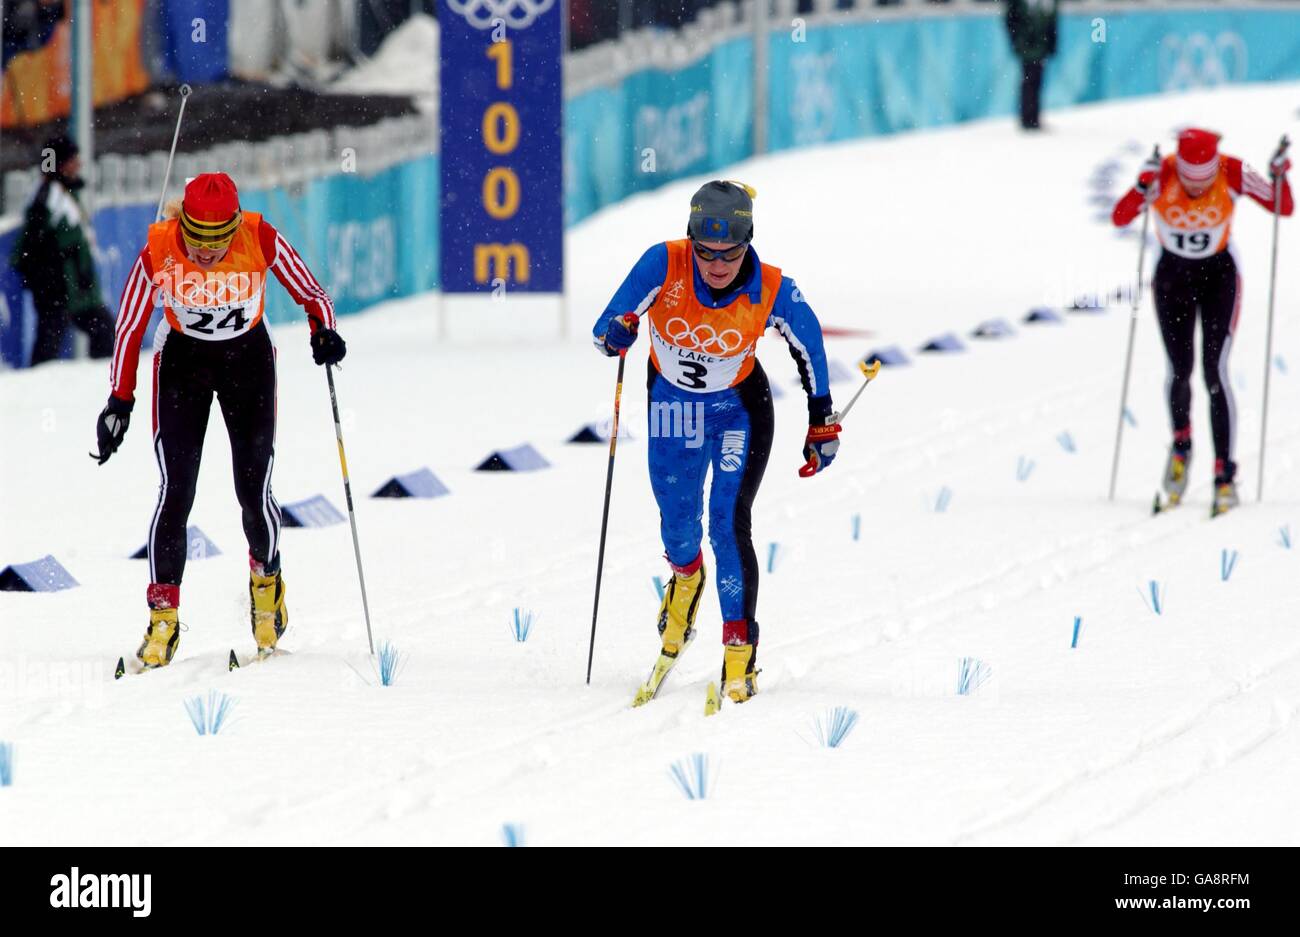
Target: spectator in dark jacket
point(53, 256)
point(1031, 24)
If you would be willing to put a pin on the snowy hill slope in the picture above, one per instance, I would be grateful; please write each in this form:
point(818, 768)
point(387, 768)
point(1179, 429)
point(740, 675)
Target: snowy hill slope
point(1172, 728)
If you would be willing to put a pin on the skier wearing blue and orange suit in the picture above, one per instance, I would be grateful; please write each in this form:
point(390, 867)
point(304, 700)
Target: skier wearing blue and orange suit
point(707, 300)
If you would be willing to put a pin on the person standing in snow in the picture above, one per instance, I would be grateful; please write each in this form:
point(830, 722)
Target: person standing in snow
point(1192, 195)
point(53, 255)
point(707, 299)
point(1031, 27)
point(207, 264)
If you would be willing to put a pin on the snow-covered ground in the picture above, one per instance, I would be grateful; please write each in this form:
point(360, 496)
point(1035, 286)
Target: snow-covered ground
point(1177, 728)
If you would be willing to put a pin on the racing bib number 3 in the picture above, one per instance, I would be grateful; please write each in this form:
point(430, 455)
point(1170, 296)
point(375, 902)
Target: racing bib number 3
point(696, 368)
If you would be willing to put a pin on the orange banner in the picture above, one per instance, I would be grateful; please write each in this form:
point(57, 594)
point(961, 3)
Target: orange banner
point(38, 84)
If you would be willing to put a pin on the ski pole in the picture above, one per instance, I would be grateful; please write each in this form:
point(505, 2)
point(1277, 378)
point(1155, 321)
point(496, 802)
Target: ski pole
point(176, 135)
point(604, 518)
point(1132, 332)
point(1272, 292)
point(347, 490)
point(869, 371)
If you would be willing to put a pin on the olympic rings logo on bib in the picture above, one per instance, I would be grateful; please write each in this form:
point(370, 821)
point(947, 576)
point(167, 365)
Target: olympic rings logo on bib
point(703, 337)
point(1178, 217)
point(198, 290)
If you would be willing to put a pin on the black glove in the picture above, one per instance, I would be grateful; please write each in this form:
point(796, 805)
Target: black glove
point(111, 427)
point(327, 347)
point(1147, 176)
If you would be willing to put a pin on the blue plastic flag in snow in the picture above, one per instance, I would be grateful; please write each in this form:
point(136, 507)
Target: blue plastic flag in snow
point(6, 764)
point(972, 673)
point(1078, 622)
point(942, 499)
point(1154, 597)
point(1024, 468)
point(1227, 562)
point(835, 726)
point(522, 624)
point(691, 775)
point(1066, 441)
point(210, 714)
point(771, 556)
point(1280, 363)
point(857, 526)
point(659, 586)
point(512, 835)
point(391, 663)
point(1284, 536)
point(1129, 418)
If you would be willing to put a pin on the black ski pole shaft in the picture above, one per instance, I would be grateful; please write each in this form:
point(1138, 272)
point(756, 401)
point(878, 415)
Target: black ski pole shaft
point(352, 516)
point(1268, 341)
point(604, 517)
point(185, 91)
point(1132, 332)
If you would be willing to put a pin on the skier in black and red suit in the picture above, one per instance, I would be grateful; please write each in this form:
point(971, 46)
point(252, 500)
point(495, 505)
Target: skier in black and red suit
point(1192, 195)
point(207, 264)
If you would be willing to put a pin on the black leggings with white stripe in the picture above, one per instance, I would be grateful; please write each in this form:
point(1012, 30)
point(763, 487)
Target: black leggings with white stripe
point(1182, 287)
point(187, 372)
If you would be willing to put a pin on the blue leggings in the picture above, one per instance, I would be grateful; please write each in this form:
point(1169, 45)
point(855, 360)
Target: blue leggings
point(731, 431)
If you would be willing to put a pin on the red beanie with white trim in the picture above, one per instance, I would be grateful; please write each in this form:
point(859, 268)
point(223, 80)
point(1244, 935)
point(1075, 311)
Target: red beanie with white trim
point(1198, 155)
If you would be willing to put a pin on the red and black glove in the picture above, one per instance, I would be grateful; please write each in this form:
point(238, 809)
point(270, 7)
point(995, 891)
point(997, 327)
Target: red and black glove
point(823, 439)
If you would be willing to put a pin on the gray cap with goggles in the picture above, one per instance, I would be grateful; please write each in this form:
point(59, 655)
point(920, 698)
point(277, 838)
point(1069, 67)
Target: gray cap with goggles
point(722, 212)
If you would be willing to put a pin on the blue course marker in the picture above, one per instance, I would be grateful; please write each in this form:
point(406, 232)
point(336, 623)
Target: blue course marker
point(1227, 562)
point(1074, 641)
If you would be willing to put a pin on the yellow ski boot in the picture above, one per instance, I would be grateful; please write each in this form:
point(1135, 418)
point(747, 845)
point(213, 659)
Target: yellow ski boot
point(269, 616)
point(677, 611)
point(161, 638)
point(739, 678)
point(676, 624)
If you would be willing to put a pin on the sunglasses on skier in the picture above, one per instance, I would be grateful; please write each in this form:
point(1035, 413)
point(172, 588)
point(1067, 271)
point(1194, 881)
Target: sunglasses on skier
point(729, 254)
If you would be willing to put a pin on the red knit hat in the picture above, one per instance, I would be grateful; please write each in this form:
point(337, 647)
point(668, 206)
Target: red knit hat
point(210, 211)
point(1198, 155)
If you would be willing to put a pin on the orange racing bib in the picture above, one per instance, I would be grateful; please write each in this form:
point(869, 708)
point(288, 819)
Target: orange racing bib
point(217, 303)
point(1194, 227)
point(698, 348)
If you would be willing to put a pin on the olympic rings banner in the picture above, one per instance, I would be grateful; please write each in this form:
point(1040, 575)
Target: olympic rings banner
point(863, 78)
point(502, 113)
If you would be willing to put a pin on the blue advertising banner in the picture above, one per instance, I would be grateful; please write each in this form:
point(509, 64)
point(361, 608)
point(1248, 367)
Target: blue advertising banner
point(502, 208)
point(858, 78)
point(366, 238)
point(17, 318)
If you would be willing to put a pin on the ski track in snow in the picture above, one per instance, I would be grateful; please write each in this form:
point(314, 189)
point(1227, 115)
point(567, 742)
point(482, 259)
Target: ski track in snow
point(1178, 728)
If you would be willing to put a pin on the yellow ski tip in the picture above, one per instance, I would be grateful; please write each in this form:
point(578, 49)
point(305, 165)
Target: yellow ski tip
point(643, 696)
point(712, 701)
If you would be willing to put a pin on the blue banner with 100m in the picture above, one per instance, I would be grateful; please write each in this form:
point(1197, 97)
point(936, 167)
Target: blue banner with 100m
point(502, 120)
